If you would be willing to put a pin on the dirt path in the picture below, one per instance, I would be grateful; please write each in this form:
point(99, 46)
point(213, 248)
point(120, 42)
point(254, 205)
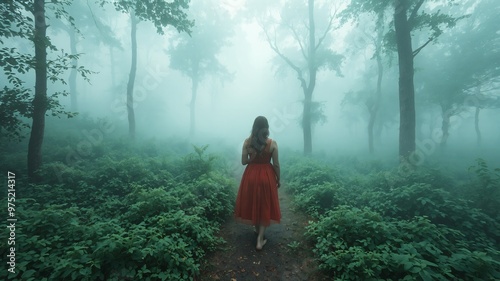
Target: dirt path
point(238, 260)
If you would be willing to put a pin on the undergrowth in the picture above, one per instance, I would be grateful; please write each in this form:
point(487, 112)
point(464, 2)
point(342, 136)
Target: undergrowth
point(124, 212)
point(388, 224)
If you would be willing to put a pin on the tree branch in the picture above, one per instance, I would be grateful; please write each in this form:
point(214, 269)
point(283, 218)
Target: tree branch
point(287, 60)
point(415, 11)
point(328, 29)
point(421, 47)
point(296, 36)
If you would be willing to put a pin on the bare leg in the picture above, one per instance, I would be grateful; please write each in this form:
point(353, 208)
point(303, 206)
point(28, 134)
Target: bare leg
point(260, 237)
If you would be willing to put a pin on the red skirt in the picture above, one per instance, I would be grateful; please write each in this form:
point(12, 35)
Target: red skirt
point(257, 202)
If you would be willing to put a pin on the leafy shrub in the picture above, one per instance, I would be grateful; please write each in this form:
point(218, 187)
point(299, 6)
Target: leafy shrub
point(305, 173)
point(395, 177)
point(359, 244)
point(128, 215)
point(194, 165)
point(484, 190)
point(406, 202)
point(319, 198)
point(395, 224)
point(216, 195)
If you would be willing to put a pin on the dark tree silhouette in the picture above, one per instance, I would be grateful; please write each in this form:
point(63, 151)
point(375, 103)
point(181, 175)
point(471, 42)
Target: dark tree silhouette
point(16, 100)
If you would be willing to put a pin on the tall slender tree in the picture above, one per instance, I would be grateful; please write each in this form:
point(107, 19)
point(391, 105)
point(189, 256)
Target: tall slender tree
point(40, 100)
point(86, 26)
point(368, 37)
point(131, 76)
point(409, 16)
point(196, 56)
point(161, 13)
point(373, 100)
point(16, 100)
point(406, 86)
point(309, 53)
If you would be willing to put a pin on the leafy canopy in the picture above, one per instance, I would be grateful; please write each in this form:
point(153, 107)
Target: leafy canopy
point(18, 64)
point(160, 12)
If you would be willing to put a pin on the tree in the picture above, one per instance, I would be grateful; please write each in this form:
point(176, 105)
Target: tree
point(481, 101)
point(40, 100)
point(469, 66)
point(308, 54)
point(485, 80)
point(162, 14)
point(196, 55)
point(409, 16)
point(16, 101)
point(15, 97)
point(90, 27)
point(374, 103)
point(371, 38)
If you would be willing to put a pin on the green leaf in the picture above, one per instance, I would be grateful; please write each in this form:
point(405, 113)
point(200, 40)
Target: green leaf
point(28, 274)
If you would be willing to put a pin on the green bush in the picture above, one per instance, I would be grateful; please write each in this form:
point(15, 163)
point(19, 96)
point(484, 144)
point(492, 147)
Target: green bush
point(359, 244)
point(396, 224)
point(319, 198)
point(194, 165)
point(422, 199)
point(305, 173)
point(484, 190)
point(126, 215)
point(215, 194)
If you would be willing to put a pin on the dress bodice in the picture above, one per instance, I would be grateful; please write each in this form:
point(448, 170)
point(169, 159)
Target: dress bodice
point(265, 156)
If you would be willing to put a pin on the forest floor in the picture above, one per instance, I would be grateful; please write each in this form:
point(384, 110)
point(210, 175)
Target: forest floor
point(286, 255)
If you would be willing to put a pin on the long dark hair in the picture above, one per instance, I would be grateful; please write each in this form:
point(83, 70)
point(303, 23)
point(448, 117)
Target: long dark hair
point(260, 132)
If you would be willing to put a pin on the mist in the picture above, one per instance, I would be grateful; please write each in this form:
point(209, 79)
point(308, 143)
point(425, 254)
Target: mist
point(359, 89)
point(259, 84)
point(225, 109)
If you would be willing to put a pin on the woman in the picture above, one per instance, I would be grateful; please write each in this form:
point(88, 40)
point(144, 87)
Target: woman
point(257, 201)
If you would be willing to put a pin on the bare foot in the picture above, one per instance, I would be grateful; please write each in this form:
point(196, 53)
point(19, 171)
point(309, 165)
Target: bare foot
point(259, 247)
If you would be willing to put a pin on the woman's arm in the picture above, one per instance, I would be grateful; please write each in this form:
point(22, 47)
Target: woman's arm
point(246, 154)
point(276, 161)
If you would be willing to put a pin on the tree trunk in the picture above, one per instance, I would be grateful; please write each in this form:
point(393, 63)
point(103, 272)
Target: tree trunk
point(192, 106)
point(112, 67)
point(309, 89)
point(476, 123)
point(374, 107)
point(306, 123)
point(406, 87)
point(73, 72)
point(371, 122)
point(40, 100)
point(131, 78)
point(445, 126)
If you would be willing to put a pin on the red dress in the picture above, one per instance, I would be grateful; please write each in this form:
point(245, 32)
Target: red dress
point(257, 202)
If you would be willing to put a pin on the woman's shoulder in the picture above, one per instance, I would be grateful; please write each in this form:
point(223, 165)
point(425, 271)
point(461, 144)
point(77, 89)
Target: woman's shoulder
point(272, 144)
